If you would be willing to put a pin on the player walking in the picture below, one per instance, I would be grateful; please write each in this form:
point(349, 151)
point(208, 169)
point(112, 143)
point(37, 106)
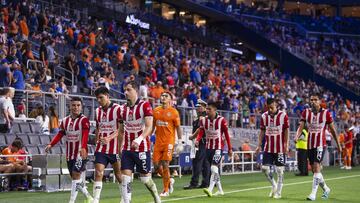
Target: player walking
point(75, 128)
point(274, 125)
point(317, 120)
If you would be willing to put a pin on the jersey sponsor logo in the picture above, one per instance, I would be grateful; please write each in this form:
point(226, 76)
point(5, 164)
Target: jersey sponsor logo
point(273, 130)
point(315, 128)
point(162, 123)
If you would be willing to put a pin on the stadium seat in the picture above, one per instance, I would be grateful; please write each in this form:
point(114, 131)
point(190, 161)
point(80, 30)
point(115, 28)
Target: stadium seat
point(24, 139)
point(25, 128)
point(16, 128)
point(42, 149)
point(10, 138)
point(34, 139)
point(56, 150)
point(35, 128)
point(44, 139)
point(2, 139)
point(32, 149)
point(63, 149)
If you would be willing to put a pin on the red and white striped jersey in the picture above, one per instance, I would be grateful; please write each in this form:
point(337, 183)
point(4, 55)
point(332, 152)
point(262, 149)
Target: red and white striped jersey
point(134, 124)
point(76, 131)
point(316, 124)
point(106, 124)
point(274, 127)
point(216, 131)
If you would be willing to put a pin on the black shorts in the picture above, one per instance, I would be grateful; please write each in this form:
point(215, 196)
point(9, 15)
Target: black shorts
point(277, 159)
point(214, 156)
point(105, 159)
point(77, 165)
point(316, 155)
point(142, 161)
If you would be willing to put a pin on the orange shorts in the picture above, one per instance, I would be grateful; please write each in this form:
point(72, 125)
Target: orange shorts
point(163, 152)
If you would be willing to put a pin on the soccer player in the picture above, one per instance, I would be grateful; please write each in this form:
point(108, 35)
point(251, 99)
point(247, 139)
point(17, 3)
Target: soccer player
point(274, 125)
point(75, 128)
point(137, 124)
point(317, 119)
point(166, 121)
point(214, 127)
point(108, 139)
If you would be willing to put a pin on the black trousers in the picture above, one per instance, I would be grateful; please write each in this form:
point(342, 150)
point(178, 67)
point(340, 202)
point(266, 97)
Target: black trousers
point(200, 165)
point(302, 161)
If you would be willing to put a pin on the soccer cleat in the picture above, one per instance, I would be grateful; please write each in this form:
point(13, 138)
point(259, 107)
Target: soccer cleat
point(218, 193)
point(326, 193)
point(164, 194)
point(311, 197)
point(171, 187)
point(343, 167)
point(272, 192)
point(348, 168)
point(207, 192)
point(277, 196)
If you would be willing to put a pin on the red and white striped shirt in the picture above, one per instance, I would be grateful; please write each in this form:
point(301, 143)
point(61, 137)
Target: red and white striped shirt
point(76, 132)
point(316, 124)
point(274, 127)
point(216, 132)
point(107, 123)
point(134, 124)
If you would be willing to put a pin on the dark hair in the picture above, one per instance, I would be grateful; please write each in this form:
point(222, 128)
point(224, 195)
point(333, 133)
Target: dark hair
point(101, 90)
point(270, 101)
point(41, 112)
point(17, 143)
point(316, 94)
point(52, 111)
point(212, 104)
point(77, 99)
point(133, 84)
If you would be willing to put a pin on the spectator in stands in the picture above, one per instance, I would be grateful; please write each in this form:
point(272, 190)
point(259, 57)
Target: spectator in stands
point(54, 120)
point(52, 55)
point(43, 119)
point(82, 67)
point(7, 111)
point(18, 80)
point(5, 73)
point(53, 91)
point(21, 111)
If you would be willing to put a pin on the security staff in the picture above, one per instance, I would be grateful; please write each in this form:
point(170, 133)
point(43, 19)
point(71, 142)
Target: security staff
point(199, 163)
point(301, 147)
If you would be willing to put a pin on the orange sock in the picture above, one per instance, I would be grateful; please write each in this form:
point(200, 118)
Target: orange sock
point(166, 179)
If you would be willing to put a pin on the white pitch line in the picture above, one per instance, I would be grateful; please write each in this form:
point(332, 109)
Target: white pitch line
point(257, 188)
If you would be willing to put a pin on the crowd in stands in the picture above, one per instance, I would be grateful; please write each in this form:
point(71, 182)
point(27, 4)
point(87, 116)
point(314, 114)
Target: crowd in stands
point(336, 58)
point(108, 53)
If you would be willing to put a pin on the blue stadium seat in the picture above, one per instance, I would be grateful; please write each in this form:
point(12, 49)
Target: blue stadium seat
point(42, 149)
point(44, 139)
point(24, 139)
point(63, 149)
point(25, 127)
point(10, 138)
point(34, 139)
point(55, 150)
point(35, 128)
point(2, 139)
point(32, 149)
point(16, 128)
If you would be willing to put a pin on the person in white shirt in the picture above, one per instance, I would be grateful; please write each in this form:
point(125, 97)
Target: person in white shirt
point(43, 119)
point(7, 111)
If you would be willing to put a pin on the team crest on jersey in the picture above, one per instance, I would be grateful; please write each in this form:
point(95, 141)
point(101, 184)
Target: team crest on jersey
point(71, 125)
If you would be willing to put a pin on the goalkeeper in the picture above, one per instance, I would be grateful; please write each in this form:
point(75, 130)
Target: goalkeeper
point(166, 121)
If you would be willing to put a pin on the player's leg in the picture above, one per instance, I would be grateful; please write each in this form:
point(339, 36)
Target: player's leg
point(101, 160)
point(156, 157)
point(315, 157)
point(127, 167)
point(204, 167)
point(215, 157)
point(77, 168)
point(280, 168)
point(348, 158)
point(166, 157)
point(143, 165)
point(268, 161)
point(115, 162)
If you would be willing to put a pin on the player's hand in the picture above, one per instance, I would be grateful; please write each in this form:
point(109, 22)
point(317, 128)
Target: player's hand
point(230, 153)
point(296, 138)
point(286, 149)
point(196, 143)
point(83, 153)
point(257, 150)
point(47, 148)
point(134, 144)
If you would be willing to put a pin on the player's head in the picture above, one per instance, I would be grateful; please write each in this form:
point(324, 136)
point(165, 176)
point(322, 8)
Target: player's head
point(131, 89)
point(165, 98)
point(271, 104)
point(16, 145)
point(102, 96)
point(211, 109)
point(76, 106)
point(315, 100)
point(201, 107)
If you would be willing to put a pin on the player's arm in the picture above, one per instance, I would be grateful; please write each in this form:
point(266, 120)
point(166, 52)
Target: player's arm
point(196, 133)
point(261, 135)
point(225, 131)
point(301, 126)
point(57, 138)
point(149, 120)
point(121, 134)
point(85, 129)
point(286, 133)
point(199, 136)
point(177, 125)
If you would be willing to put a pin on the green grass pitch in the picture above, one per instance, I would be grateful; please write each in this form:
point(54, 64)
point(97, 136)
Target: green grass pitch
point(345, 187)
